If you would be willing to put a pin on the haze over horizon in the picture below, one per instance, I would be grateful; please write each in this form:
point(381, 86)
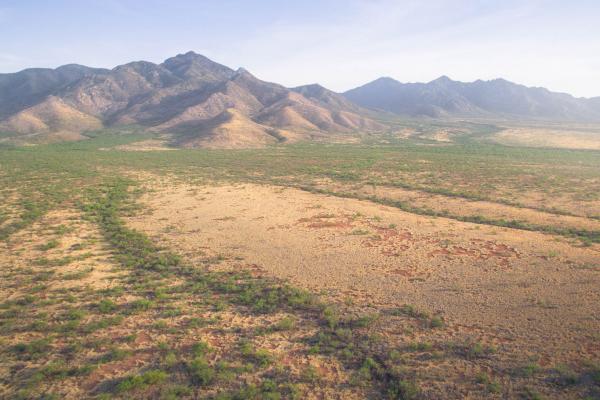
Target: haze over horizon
point(340, 45)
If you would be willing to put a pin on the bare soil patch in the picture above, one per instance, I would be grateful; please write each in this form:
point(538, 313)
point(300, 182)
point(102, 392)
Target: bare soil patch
point(506, 285)
point(547, 137)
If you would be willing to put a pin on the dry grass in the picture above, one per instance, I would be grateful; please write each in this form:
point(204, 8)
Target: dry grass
point(477, 284)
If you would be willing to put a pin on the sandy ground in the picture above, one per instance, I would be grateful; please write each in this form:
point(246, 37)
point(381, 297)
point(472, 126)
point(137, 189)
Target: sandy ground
point(92, 268)
point(507, 285)
point(533, 137)
point(90, 260)
point(146, 145)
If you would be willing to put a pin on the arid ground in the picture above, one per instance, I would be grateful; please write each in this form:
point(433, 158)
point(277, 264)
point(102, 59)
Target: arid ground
point(428, 266)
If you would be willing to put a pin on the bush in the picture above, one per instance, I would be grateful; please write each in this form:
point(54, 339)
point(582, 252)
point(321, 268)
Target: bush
point(148, 378)
point(107, 306)
point(566, 376)
point(200, 349)
point(49, 245)
point(33, 349)
point(142, 305)
point(436, 322)
point(402, 390)
point(261, 357)
point(201, 372)
point(285, 324)
point(331, 317)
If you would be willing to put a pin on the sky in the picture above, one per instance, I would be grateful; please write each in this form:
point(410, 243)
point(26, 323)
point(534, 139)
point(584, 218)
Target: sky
point(340, 44)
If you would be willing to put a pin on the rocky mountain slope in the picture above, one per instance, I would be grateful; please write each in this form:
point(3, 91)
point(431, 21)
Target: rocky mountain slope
point(198, 101)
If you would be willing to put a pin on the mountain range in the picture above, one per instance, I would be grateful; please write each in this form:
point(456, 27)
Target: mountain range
point(497, 98)
point(201, 103)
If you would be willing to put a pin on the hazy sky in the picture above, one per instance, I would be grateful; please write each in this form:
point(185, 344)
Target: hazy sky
point(338, 43)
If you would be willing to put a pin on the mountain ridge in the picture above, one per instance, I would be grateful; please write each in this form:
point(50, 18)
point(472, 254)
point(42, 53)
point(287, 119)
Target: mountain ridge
point(444, 97)
point(199, 102)
point(185, 95)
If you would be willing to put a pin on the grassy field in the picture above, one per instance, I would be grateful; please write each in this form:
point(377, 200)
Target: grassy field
point(94, 308)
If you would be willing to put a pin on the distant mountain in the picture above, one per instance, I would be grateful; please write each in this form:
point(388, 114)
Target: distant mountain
point(202, 103)
point(497, 98)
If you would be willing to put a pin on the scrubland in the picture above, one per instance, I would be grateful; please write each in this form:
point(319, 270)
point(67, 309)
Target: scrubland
point(402, 268)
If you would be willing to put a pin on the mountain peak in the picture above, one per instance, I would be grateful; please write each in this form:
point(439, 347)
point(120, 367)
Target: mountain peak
point(198, 101)
point(314, 86)
point(312, 89)
point(136, 65)
point(243, 72)
point(442, 79)
point(196, 66)
point(385, 79)
point(189, 55)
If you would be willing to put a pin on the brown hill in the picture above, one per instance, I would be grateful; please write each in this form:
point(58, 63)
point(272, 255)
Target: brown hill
point(230, 129)
point(200, 102)
point(52, 118)
point(26, 88)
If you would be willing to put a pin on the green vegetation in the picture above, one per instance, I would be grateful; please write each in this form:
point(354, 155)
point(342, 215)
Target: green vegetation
point(31, 212)
point(142, 381)
point(338, 337)
point(34, 349)
point(160, 292)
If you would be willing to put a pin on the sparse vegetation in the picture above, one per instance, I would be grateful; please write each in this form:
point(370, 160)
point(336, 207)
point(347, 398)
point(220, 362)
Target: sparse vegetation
point(228, 331)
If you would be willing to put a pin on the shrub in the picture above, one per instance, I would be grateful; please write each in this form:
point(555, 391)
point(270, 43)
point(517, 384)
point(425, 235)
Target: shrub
point(530, 394)
point(528, 370)
point(148, 378)
point(331, 317)
point(201, 372)
point(566, 376)
point(200, 348)
point(310, 374)
point(142, 305)
point(49, 245)
point(285, 324)
point(107, 306)
point(260, 357)
point(115, 354)
point(176, 392)
point(33, 349)
point(75, 314)
point(436, 322)
point(401, 389)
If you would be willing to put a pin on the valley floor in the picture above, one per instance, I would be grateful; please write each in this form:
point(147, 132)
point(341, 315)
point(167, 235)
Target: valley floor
point(318, 272)
point(497, 286)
